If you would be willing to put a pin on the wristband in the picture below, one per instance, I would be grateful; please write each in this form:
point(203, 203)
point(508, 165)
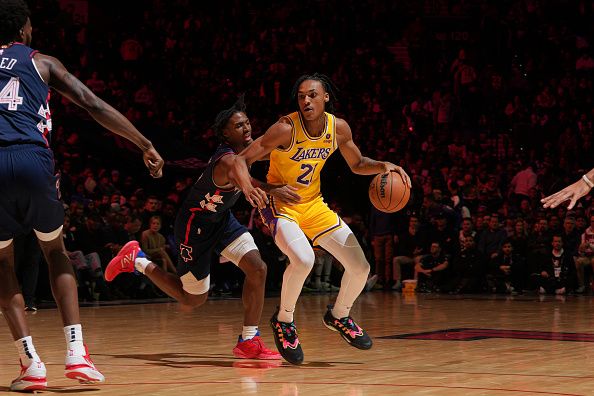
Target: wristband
point(588, 181)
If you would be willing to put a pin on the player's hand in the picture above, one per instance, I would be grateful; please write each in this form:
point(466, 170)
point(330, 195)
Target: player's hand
point(570, 193)
point(286, 193)
point(256, 197)
point(153, 162)
point(390, 167)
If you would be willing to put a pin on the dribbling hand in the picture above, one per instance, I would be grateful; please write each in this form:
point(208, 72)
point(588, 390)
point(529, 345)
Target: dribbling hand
point(390, 167)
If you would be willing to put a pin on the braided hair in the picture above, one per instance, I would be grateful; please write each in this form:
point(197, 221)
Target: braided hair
point(223, 117)
point(13, 16)
point(328, 85)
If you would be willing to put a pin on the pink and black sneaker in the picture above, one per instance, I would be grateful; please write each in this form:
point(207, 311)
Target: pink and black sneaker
point(286, 340)
point(350, 331)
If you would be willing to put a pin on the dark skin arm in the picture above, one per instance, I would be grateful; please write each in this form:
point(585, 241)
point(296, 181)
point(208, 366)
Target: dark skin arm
point(223, 175)
point(278, 135)
point(56, 76)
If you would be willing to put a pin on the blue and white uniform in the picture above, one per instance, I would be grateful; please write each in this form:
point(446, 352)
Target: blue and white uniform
point(205, 225)
point(30, 189)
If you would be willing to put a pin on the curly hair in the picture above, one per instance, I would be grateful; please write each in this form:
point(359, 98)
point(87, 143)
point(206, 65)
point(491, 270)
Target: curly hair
point(328, 85)
point(223, 117)
point(13, 16)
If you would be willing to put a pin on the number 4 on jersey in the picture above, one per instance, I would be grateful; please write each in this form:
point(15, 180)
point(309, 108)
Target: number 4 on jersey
point(10, 94)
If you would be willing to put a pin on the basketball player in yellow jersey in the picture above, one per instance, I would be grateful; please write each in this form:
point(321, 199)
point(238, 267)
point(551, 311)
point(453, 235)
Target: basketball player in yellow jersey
point(299, 144)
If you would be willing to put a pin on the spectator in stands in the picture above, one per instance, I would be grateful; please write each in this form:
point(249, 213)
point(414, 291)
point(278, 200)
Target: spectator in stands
point(431, 269)
point(469, 268)
point(153, 243)
point(491, 240)
point(382, 229)
point(410, 244)
point(507, 270)
point(554, 273)
point(585, 257)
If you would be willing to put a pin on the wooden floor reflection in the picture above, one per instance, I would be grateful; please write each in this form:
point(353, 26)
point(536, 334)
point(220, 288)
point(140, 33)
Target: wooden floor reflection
point(484, 345)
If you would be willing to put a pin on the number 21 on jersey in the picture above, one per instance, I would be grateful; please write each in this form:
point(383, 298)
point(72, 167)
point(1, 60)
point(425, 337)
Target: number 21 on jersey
point(306, 174)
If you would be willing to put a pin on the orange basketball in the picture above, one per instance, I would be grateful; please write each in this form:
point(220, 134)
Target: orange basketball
point(388, 193)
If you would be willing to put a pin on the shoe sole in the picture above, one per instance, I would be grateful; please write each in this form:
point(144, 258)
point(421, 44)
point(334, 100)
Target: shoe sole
point(240, 355)
point(27, 386)
point(348, 341)
point(83, 378)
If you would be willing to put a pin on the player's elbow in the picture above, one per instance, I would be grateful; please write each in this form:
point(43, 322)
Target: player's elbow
point(91, 103)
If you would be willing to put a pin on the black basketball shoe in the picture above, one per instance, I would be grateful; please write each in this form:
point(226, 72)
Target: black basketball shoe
point(286, 340)
point(348, 329)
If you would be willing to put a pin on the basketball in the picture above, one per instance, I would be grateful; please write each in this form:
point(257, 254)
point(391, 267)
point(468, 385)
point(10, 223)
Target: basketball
point(388, 193)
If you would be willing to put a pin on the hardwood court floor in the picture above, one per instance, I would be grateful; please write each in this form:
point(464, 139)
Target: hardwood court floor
point(155, 349)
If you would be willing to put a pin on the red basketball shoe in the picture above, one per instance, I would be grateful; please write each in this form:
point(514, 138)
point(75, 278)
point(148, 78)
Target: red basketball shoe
point(254, 349)
point(123, 262)
point(83, 369)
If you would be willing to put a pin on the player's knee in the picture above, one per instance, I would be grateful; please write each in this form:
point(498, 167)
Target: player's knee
point(193, 300)
point(56, 256)
point(305, 258)
point(362, 268)
point(257, 270)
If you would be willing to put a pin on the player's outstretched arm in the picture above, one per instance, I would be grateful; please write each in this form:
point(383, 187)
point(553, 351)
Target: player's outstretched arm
point(571, 193)
point(56, 76)
point(357, 162)
point(283, 193)
point(278, 135)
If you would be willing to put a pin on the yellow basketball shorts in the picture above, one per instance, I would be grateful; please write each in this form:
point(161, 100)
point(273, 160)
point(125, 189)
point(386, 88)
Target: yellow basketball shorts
point(314, 218)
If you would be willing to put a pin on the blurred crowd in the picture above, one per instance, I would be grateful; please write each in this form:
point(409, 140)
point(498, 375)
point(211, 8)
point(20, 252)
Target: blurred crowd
point(488, 105)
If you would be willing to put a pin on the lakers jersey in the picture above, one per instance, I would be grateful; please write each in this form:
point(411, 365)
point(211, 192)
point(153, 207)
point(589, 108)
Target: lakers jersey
point(300, 164)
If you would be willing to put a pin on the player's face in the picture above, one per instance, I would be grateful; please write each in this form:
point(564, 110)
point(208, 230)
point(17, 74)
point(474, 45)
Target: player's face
point(26, 33)
point(312, 99)
point(238, 130)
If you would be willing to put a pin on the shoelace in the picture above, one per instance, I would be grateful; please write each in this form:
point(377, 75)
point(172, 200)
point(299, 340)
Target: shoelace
point(288, 329)
point(347, 324)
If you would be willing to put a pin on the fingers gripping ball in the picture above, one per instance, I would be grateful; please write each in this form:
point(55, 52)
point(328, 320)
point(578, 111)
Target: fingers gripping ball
point(388, 193)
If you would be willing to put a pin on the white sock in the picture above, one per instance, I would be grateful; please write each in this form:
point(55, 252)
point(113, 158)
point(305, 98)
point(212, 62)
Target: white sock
point(141, 263)
point(249, 332)
point(285, 315)
point(26, 351)
point(340, 311)
point(74, 340)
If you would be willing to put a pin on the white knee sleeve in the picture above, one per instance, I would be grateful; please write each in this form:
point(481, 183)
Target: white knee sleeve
point(292, 241)
point(235, 251)
point(193, 285)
